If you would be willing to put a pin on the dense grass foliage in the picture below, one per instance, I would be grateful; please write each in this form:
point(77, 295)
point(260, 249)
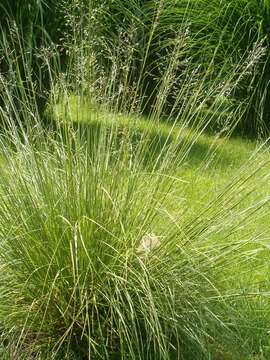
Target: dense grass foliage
point(76, 280)
point(209, 38)
point(126, 230)
point(31, 50)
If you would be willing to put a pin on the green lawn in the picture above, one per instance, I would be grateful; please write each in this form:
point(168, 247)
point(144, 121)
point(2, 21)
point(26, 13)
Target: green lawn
point(204, 164)
point(208, 167)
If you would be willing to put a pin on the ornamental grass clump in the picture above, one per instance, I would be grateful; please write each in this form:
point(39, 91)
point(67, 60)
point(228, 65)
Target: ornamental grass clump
point(72, 280)
point(75, 282)
point(97, 258)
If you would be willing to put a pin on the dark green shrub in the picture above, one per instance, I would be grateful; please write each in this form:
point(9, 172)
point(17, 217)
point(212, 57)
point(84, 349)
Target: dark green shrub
point(30, 50)
point(216, 37)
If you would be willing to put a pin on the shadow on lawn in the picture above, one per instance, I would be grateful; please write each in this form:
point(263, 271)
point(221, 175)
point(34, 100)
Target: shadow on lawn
point(149, 146)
